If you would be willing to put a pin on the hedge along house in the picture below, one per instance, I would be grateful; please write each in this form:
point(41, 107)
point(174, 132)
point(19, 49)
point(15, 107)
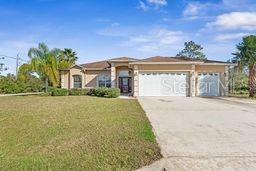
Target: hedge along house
point(155, 76)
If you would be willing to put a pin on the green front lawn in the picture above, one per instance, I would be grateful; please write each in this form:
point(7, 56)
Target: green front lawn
point(241, 96)
point(74, 132)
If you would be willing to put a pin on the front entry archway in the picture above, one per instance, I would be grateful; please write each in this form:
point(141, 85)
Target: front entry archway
point(125, 84)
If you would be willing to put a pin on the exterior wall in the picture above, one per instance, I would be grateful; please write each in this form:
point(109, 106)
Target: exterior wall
point(193, 76)
point(210, 68)
point(64, 79)
point(164, 67)
point(113, 75)
point(121, 64)
point(76, 71)
point(135, 80)
point(91, 77)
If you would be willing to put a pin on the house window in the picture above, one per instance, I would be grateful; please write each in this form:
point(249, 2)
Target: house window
point(124, 74)
point(104, 81)
point(77, 81)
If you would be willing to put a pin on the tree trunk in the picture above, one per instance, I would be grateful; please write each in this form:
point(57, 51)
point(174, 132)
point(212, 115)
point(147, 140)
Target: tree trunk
point(252, 80)
point(46, 84)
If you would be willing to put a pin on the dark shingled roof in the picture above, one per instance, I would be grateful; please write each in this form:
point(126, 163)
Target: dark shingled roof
point(100, 64)
point(106, 64)
point(177, 59)
point(168, 59)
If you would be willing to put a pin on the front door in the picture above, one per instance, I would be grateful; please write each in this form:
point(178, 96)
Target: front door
point(125, 84)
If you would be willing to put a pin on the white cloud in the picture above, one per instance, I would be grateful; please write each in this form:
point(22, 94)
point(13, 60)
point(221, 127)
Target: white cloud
point(108, 21)
point(158, 2)
point(205, 10)
point(235, 20)
point(146, 5)
point(103, 20)
point(157, 39)
point(239, 4)
point(115, 24)
point(117, 31)
point(229, 36)
point(143, 6)
point(193, 9)
point(166, 19)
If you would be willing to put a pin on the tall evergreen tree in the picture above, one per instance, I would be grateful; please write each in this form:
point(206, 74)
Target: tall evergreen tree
point(192, 50)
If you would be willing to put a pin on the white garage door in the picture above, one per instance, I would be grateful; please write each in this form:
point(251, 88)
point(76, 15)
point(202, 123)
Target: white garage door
point(163, 84)
point(208, 84)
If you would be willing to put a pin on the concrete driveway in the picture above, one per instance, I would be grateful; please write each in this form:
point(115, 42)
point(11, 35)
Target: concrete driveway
point(203, 133)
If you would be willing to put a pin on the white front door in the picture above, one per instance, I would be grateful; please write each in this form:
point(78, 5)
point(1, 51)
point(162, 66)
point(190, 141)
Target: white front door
point(163, 84)
point(208, 84)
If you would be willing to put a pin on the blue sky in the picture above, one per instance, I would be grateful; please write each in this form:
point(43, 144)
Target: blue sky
point(102, 29)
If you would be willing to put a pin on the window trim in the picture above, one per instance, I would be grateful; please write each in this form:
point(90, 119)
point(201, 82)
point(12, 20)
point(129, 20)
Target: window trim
point(77, 75)
point(105, 80)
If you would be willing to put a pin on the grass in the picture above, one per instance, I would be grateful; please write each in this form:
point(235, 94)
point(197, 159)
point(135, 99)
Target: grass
point(241, 95)
point(74, 133)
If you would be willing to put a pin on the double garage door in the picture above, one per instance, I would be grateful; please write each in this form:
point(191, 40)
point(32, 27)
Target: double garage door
point(163, 84)
point(176, 84)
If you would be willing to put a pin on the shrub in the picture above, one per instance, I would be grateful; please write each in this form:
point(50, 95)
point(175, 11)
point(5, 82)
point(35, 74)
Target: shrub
point(58, 91)
point(46, 94)
point(10, 85)
point(92, 92)
point(50, 89)
point(78, 92)
point(105, 92)
point(112, 93)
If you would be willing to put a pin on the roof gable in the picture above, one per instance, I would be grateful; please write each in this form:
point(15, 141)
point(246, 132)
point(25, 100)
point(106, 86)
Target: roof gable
point(123, 59)
point(96, 65)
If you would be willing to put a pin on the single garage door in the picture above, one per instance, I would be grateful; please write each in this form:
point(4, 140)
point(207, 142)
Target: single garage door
point(208, 84)
point(163, 83)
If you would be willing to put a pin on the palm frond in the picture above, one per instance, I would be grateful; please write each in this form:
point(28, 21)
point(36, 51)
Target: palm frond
point(43, 47)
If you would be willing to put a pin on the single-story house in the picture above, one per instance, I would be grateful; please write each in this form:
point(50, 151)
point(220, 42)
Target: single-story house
point(154, 76)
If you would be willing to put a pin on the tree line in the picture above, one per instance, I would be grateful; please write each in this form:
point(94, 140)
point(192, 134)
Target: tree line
point(47, 63)
point(40, 72)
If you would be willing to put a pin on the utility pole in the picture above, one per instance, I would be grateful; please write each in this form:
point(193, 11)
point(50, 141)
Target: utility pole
point(17, 65)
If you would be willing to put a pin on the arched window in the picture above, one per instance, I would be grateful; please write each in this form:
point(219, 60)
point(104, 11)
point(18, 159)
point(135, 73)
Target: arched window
point(104, 81)
point(77, 81)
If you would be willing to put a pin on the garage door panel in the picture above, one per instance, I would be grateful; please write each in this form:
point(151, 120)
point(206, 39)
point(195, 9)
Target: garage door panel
point(208, 84)
point(163, 84)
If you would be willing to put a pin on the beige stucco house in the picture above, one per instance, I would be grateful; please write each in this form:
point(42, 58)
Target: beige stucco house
point(155, 76)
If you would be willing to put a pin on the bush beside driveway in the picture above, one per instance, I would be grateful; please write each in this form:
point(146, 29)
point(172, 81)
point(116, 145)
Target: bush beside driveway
point(74, 133)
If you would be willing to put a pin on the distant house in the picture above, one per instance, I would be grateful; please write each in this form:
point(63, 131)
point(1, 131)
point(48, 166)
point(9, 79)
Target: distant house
point(155, 76)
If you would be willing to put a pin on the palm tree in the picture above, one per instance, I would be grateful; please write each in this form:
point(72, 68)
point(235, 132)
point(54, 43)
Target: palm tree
point(24, 72)
point(246, 56)
point(67, 58)
point(45, 63)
